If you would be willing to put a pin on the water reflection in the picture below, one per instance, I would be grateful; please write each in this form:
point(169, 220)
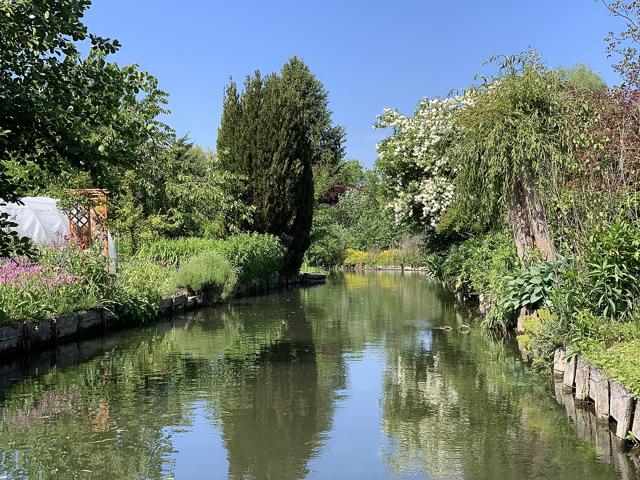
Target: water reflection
point(590, 428)
point(350, 380)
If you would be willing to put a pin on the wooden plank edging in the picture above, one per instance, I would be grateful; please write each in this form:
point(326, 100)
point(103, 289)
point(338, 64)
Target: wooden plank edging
point(34, 336)
point(611, 399)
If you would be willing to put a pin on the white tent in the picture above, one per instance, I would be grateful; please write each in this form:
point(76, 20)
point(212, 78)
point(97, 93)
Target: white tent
point(40, 220)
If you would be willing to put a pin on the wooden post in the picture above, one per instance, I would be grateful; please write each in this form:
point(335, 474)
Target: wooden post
point(583, 373)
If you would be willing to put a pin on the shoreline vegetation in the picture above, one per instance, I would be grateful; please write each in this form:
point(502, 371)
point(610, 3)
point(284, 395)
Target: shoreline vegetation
point(521, 191)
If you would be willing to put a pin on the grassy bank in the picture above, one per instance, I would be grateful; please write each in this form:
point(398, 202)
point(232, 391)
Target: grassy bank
point(63, 278)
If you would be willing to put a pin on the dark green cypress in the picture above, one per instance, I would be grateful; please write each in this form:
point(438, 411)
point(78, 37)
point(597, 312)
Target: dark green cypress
point(327, 140)
point(264, 137)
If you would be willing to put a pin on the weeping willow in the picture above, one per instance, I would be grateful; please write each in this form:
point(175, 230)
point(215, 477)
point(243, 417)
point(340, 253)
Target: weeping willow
point(519, 133)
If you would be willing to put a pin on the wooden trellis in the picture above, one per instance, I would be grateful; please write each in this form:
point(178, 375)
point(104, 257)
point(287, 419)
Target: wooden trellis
point(88, 219)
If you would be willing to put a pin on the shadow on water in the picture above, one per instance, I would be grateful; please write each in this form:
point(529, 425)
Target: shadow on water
point(355, 379)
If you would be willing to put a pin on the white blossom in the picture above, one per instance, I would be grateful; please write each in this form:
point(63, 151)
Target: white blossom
point(414, 159)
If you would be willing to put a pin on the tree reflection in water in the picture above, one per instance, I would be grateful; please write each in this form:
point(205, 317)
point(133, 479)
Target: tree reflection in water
point(267, 374)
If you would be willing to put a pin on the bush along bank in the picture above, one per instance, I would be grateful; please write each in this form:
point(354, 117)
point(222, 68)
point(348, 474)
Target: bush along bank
point(64, 292)
point(389, 259)
point(562, 312)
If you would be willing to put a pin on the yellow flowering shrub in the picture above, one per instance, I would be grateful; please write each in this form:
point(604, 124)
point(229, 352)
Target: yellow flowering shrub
point(355, 257)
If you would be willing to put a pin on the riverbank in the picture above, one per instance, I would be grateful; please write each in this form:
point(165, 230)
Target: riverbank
point(612, 402)
point(35, 336)
point(485, 272)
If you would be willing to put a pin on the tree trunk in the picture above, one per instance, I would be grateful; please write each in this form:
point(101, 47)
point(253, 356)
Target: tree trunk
point(538, 221)
point(520, 222)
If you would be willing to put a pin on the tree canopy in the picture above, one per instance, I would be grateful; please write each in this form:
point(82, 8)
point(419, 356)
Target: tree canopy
point(60, 109)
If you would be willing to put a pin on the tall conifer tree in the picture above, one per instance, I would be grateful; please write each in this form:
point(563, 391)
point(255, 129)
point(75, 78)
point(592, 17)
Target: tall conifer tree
point(327, 140)
point(265, 137)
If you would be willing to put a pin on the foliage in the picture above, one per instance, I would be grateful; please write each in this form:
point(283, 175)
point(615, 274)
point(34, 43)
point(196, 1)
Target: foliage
point(364, 217)
point(414, 159)
point(606, 280)
point(613, 269)
point(264, 138)
point(534, 341)
point(355, 257)
point(208, 270)
point(327, 140)
point(253, 256)
point(139, 288)
point(60, 279)
point(606, 343)
point(533, 288)
point(173, 251)
point(332, 182)
point(583, 78)
point(519, 125)
point(327, 239)
point(389, 257)
point(409, 254)
point(481, 264)
point(186, 193)
point(61, 110)
point(624, 44)
point(351, 212)
point(619, 361)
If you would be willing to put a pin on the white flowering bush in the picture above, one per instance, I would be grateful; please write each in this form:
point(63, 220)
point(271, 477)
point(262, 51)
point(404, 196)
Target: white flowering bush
point(414, 159)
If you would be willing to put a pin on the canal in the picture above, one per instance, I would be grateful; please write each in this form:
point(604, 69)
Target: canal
point(357, 379)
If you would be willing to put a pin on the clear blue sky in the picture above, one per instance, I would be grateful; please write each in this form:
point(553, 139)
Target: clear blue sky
point(369, 54)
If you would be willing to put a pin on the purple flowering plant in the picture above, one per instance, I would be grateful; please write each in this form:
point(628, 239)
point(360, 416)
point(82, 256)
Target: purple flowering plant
point(60, 278)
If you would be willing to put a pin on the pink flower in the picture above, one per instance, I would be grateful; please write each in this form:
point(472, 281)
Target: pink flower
point(22, 271)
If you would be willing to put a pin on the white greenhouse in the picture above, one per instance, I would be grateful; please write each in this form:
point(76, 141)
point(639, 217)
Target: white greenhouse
point(40, 219)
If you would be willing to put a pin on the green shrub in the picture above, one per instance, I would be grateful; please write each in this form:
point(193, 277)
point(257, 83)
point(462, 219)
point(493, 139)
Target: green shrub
point(59, 279)
point(613, 269)
point(605, 279)
point(535, 342)
point(209, 270)
point(254, 256)
point(481, 264)
point(139, 288)
point(433, 262)
point(533, 288)
point(174, 251)
point(620, 362)
point(326, 253)
point(327, 242)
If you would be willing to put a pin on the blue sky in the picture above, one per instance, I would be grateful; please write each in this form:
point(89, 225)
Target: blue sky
point(369, 54)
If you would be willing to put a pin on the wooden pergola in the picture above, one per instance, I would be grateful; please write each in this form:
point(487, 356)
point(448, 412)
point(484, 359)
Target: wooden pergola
point(88, 220)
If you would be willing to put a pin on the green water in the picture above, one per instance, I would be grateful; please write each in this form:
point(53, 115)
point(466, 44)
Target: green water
point(350, 380)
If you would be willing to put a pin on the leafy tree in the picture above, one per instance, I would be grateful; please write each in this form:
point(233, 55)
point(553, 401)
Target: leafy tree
point(61, 111)
point(182, 192)
point(327, 239)
point(414, 161)
point(624, 44)
point(583, 78)
point(515, 136)
point(365, 218)
point(358, 218)
point(331, 185)
point(265, 138)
